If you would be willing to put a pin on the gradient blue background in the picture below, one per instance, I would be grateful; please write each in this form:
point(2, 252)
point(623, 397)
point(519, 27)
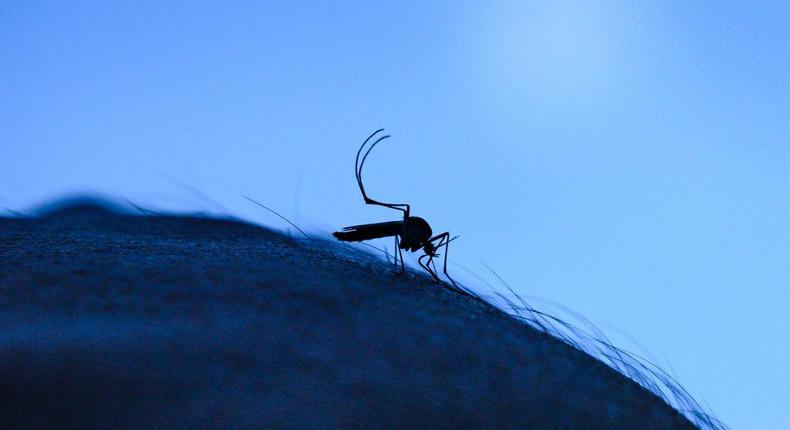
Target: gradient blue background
point(631, 162)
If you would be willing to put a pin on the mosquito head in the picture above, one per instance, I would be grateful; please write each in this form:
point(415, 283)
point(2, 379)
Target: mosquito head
point(429, 248)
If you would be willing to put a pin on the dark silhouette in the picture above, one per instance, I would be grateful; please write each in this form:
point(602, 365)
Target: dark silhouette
point(110, 319)
point(412, 234)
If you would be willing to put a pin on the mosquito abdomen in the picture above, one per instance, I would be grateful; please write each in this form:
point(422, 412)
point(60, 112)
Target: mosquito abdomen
point(356, 233)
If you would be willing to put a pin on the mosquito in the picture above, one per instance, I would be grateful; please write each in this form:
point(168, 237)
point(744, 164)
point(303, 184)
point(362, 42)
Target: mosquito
point(412, 233)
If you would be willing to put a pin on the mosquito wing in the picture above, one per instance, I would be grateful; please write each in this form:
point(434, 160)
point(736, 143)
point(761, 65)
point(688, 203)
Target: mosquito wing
point(356, 233)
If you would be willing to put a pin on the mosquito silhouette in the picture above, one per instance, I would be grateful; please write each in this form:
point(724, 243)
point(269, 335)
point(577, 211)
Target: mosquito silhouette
point(412, 233)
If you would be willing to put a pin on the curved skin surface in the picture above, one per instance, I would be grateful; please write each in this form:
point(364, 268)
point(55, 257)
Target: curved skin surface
point(110, 320)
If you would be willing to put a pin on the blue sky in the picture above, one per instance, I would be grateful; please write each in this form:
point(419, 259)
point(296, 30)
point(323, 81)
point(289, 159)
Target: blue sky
point(629, 161)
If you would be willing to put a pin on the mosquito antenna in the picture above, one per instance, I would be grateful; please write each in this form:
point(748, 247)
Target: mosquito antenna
point(281, 217)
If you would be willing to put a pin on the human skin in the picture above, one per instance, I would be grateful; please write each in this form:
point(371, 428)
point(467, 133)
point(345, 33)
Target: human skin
point(110, 320)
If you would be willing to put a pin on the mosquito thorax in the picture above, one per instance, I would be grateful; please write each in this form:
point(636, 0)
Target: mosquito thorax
point(416, 230)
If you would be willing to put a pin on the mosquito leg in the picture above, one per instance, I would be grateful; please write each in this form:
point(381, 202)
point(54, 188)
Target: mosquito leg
point(447, 251)
point(396, 253)
point(419, 260)
point(356, 161)
point(432, 271)
point(359, 164)
point(400, 252)
point(427, 267)
point(395, 256)
point(444, 240)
